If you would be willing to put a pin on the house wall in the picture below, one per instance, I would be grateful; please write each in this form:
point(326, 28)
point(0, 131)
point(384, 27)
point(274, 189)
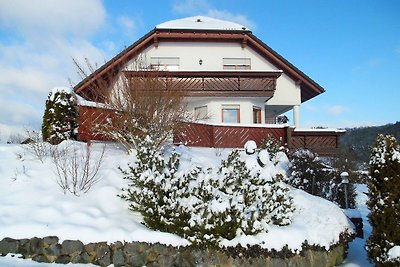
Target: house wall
point(214, 107)
point(287, 92)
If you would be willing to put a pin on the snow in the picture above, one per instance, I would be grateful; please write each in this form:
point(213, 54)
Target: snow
point(60, 89)
point(83, 102)
point(394, 253)
point(335, 130)
point(357, 255)
point(250, 147)
point(202, 23)
point(33, 204)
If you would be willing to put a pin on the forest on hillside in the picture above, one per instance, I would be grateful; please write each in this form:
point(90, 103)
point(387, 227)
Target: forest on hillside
point(357, 142)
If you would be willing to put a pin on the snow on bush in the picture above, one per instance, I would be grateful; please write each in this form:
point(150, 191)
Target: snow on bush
point(308, 172)
point(274, 148)
point(205, 204)
point(250, 147)
point(60, 116)
point(384, 188)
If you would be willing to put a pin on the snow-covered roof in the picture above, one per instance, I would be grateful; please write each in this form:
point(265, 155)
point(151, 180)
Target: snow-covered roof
point(202, 23)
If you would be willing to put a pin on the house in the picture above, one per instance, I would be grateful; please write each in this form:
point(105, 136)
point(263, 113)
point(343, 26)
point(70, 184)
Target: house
point(241, 84)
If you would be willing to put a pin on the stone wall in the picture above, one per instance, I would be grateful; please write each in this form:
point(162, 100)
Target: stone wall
point(48, 249)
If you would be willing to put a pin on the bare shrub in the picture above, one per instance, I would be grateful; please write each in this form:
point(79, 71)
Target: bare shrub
point(76, 168)
point(145, 103)
point(36, 146)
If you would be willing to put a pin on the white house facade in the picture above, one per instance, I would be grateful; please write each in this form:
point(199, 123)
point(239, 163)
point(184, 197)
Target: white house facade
point(237, 83)
point(220, 56)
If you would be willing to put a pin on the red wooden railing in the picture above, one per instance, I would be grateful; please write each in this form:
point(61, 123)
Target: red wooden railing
point(323, 142)
point(207, 135)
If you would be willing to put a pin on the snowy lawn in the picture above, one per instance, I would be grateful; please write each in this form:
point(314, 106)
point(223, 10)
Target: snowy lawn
point(33, 204)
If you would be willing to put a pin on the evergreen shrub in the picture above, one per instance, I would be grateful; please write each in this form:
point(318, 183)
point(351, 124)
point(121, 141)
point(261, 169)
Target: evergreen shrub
point(384, 201)
point(307, 171)
point(60, 117)
point(205, 204)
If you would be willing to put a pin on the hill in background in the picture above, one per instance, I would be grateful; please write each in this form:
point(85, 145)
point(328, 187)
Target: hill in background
point(358, 141)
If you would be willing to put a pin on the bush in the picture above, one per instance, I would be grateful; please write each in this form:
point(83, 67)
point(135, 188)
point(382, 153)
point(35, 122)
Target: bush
point(384, 201)
point(205, 204)
point(308, 172)
point(76, 168)
point(274, 148)
point(60, 117)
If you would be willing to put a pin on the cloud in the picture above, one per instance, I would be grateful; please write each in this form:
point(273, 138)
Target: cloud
point(336, 110)
point(203, 7)
point(37, 50)
point(57, 18)
point(129, 25)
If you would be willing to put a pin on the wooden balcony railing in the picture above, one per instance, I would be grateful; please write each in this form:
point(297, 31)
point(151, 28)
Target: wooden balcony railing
point(212, 83)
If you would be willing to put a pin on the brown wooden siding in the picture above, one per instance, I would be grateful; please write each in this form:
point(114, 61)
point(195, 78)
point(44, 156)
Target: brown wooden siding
point(220, 136)
point(89, 118)
point(321, 142)
point(204, 135)
point(211, 83)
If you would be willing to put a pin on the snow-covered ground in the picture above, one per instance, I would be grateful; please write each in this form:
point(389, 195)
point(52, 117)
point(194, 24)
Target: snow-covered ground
point(33, 204)
point(357, 256)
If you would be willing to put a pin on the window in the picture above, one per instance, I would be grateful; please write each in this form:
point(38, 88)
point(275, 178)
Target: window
point(231, 113)
point(236, 63)
point(164, 63)
point(200, 113)
point(256, 114)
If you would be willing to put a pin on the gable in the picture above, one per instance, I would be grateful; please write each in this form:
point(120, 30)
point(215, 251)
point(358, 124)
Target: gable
point(181, 37)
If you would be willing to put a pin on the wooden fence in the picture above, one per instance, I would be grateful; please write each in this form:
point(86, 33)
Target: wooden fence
point(323, 142)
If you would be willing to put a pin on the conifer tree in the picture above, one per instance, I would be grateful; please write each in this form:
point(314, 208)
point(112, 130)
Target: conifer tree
point(384, 202)
point(60, 117)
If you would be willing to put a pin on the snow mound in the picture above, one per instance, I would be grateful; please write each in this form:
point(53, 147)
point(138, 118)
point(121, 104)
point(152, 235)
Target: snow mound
point(33, 204)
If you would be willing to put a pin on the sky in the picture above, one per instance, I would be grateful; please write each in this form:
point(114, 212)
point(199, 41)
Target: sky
point(349, 47)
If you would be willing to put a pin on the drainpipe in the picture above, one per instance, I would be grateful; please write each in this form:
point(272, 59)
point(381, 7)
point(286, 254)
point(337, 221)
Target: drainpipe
point(296, 116)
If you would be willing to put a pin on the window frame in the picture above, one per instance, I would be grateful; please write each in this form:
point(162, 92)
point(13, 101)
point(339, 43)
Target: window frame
point(239, 63)
point(164, 63)
point(257, 116)
point(228, 107)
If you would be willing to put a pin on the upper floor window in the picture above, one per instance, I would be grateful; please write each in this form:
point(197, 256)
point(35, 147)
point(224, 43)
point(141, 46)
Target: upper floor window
point(164, 63)
point(231, 113)
point(236, 63)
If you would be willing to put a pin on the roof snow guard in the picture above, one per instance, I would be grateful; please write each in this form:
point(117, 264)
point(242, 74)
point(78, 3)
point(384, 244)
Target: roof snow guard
point(201, 23)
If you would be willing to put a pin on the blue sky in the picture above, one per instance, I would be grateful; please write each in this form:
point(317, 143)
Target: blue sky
point(350, 47)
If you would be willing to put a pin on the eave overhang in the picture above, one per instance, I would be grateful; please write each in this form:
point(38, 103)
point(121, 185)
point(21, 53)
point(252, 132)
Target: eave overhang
point(309, 88)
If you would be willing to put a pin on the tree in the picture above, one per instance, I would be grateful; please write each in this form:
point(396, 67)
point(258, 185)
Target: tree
point(384, 202)
point(60, 116)
point(145, 103)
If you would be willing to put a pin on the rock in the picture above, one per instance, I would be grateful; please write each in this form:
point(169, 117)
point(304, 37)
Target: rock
point(131, 249)
point(52, 252)
point(118, 258)
point(50, 240)
point(40, 258)
point(8, 245)
point(86, 258)
point(63, 259)
point(34, 247)
point(103, 253)
point(71, 247)
point(136, 261)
